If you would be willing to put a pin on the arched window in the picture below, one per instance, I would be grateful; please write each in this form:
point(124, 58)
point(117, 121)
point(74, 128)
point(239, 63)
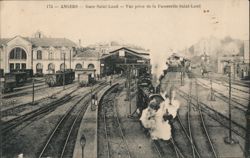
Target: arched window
point(39, 68)
point(51, 67)
point(39, 54)
point(91, 66)
point(78, 66)
point(50, 56)
point(18, 53)
point(62, 66)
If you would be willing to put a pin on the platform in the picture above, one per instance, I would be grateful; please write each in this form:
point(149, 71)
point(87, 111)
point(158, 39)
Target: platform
point(88, 127)
point(140, 144)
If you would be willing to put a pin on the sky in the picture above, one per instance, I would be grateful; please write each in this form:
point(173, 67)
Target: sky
point(157, 29)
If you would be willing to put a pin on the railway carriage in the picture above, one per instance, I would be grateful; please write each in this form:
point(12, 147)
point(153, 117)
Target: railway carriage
point(12, 80)
point(86, 79)
point(56, 79)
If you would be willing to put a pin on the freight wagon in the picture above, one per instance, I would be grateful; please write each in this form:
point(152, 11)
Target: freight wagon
point(57, 79)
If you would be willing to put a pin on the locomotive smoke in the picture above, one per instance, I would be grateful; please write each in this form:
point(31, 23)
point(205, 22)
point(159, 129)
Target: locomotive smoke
point(153, 119)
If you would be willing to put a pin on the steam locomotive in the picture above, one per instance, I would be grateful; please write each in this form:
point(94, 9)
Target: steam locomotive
point(172, 77)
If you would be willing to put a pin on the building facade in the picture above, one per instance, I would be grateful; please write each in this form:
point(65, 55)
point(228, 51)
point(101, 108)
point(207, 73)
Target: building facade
point(45, 55)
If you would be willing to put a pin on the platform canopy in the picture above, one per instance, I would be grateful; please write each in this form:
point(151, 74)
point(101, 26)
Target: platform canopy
point(122, 58)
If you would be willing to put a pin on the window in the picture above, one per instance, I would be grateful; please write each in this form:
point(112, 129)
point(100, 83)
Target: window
point(18, 53)
point(39, 68)
point(23, 66)
point(62, 67)
point(50, 55)
point(91, 66)
point(51, 68)
point(63, 55)
point(18, 66)
point(78, 66)
point(39, 54)
point(12, 66)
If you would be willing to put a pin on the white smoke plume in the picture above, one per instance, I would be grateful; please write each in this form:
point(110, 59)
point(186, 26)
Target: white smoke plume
point(153, 118)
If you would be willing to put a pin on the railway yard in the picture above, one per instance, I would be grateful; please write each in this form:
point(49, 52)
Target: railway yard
point(124, 79)
point(186, 115)
point(55, 123)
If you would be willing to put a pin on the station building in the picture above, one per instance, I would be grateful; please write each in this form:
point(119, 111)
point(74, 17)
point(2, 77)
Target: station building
point(124, 59)
point(45, 55)
point(239, 64)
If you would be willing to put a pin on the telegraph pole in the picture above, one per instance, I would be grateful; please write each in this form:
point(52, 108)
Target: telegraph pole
point(33, 82)
point(64, 71)
point(229, 139)
point(129, 82)
point(247, 144)
point(70, 59)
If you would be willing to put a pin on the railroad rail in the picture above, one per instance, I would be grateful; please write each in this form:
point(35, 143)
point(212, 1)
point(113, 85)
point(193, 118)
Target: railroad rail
point(203, 130)
point(20, 108)
point(109, 126)
point(34, 115)
point(168, 148)
point(238, 108)
point(217, 116)
point(24, 91)
point(225, 98)
point(194, 149)
point(62, 138)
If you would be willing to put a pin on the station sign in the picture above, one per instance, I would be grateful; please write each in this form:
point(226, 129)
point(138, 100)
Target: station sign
point(140, 61)
point(121, 53)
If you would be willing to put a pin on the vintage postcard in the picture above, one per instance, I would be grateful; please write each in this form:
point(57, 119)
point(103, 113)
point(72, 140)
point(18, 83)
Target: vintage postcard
point(124, 78)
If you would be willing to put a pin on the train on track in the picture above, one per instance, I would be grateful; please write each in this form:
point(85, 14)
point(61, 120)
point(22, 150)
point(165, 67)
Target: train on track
point(15, 78)
point(86, 79)
point(60, 77)
point(177, 69)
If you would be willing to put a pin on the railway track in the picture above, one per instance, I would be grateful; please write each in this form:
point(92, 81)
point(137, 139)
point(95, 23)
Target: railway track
point(225, 98)
point(20, 108)
point(217, 116)
point(27, 118)
point(110, 130)
point(168, 148)
point(197, 128)
point(226, 80)
point(184, 142)
point(25, 92)
point(238, 108)
point(62, 139)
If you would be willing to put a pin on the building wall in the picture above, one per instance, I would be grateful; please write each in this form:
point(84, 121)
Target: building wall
point(85, 63)
point(2, 58)
point(16, 42)
point(57, 58)
point(246, 51)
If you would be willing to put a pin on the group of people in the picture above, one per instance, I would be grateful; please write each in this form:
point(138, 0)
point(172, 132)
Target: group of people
point(159, 115)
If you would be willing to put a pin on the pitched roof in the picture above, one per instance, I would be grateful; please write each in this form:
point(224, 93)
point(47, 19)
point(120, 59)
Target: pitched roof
point(54, 42)
point(44, 42)
point(4, 40)
point(142, 55)
point(87, 53)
